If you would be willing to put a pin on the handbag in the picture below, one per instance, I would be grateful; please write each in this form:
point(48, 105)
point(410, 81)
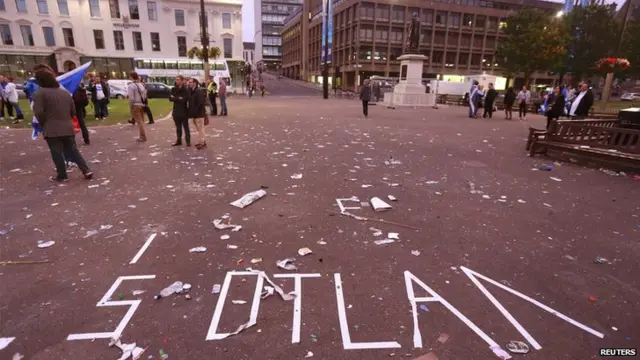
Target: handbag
point(76, 124)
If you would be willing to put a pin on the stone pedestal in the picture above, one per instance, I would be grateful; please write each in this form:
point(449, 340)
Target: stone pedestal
point(410, 91)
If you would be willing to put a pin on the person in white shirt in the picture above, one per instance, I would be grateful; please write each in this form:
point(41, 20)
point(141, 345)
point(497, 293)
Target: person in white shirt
point(100, 97)
point(523, 99)
point(582, 104)
point(137, 95)
point(11, 96)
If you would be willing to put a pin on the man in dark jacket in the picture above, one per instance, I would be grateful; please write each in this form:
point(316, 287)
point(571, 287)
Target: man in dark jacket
point(80, 101)
point(197, 110)
point(489, 99)
point(180, 113)
point(365, 96)
point(582, 104)
point(100, 97)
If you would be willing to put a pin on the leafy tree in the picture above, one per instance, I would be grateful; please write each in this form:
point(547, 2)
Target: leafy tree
point(196, 52)
point(631, 46)
point(594, 33)
point(534, 41)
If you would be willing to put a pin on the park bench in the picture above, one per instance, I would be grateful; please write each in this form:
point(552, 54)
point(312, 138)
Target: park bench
point(607, 143)
point(540, 133)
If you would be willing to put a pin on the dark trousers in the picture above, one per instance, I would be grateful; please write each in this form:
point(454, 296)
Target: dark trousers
point(214, 105)
point(488, 110)
point(64, 148)
point(80, 114)
point(365, 107)
point(550, 118)
point(522, 109)
point(182, 123)
point(100, 107)
point(147, 110)
point(6, 104)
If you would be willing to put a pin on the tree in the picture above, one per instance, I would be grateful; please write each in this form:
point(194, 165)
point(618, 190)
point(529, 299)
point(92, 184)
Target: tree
point(534, 41)
point(594, 34)
point(196, 52)
point(631, 46)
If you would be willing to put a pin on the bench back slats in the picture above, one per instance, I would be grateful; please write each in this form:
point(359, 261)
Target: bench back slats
point(605, 137)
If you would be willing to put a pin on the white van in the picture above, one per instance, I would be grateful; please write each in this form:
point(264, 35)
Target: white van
point(118, 88)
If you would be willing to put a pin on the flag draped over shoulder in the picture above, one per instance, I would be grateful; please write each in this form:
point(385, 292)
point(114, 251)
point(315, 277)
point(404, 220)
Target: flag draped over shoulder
point(69, 81)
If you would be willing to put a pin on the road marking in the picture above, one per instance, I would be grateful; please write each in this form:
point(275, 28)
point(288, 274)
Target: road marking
point(344, 208)
point(435, 297)
point(344, 326)
point(133, 306)
point(297, 303)
point(143, 248)
point(472, 275)
point(212, 334)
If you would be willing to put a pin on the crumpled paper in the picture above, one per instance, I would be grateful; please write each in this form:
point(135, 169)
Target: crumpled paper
point(286, 264)
point(128, 350)
point(249, 198)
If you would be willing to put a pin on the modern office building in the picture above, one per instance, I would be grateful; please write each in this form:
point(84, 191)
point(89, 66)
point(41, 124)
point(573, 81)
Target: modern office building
point(458, 37)
point(114, 34)
point(269, 19)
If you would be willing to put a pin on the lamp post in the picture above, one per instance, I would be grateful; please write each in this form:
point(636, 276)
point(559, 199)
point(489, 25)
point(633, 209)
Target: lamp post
point(204, 39)
point(325, 51)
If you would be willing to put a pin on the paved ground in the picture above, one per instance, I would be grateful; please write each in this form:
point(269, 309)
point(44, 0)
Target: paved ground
point(532, 234)
point(284, 87)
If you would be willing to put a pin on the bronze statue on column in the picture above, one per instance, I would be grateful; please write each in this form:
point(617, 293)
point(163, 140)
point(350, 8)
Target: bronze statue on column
point(413, 40)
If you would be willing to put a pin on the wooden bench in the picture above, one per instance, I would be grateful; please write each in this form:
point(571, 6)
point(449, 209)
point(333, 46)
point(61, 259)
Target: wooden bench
point(539, 133)
point(613, 145)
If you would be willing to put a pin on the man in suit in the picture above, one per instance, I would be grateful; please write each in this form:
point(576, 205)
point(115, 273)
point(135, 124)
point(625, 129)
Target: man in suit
point(582, 104)
point(180, 97)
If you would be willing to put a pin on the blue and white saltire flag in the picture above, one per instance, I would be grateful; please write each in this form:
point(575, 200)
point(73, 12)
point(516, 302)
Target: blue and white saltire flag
point(69, 80)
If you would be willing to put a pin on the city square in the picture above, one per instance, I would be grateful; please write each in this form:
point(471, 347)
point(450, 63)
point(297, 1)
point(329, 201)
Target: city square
point(469, 201)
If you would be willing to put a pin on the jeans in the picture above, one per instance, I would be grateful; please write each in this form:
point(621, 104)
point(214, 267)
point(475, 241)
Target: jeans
point(472, 109)
point(101, 109)
point(18, 110)
point(80, 114)
point(182, 123)
point(64, 148)
point(365, 107)
point(223, 105)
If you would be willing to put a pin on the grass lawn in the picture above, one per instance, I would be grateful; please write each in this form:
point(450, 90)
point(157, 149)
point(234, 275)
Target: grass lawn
point(118, 113)
point(613, 107)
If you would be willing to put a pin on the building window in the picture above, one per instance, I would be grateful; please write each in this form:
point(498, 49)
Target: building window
point(2, 7)
point(182, 46)
point(481, 22)
point(382, 12)
point(467, 20)
point(227, 45)
point(43, 7)
point(226, 21)
point(63, 7)
point(398, 13)
point(27, 35)
point(98, 37)
point(179, 15)
point(118, 39)
point(454, 20)
point(5, 32)
point(49, 38)
point(152, 10)
point(69, 41)
point(114, 8)
point(137, 41)
point(441, 18)
point(366, 33)
point(134, 11)
point(155, 41)
point(94, 8)
point(21, 5)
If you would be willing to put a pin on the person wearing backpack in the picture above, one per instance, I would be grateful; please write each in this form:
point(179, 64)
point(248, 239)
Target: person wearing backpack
point(81, 100)
point(137, 99)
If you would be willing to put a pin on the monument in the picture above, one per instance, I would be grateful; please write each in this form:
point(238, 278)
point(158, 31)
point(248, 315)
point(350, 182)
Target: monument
point(409, 91)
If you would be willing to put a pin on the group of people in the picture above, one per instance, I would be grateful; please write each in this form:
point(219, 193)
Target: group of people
point(561, 101)
point(9, 99)
point(251, 87)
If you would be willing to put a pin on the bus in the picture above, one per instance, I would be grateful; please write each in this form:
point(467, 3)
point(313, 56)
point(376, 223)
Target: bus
point(166, 70)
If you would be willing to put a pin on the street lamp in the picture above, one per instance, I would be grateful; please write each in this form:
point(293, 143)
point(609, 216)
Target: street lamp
point(204, 39)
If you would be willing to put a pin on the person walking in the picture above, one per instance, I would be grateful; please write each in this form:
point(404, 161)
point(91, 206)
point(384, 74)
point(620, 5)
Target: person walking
point(582, 104)
point(365, 96)
point(555, 106)
point(523, 99)
point(147, 109)
point(137, 94)
point(489, 99)
point(509, 99)
point(477, 100)
point(3, 103)
point(197, 110)
point(472, 104)
point(100, 97)
point(11, 96)
point(54, 108)
point(81, 100)
point(263, 89)
point(180, 98)
point(212, 94)
point(222, 92)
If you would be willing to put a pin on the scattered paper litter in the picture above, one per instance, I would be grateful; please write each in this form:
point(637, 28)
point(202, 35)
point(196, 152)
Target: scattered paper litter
point(286, 264)
point(225, 237)
point(249, 198)
point(392, 198)
point(376, 232)
point(497, 350)
point(309, 354)
point(45, 244)
point(296, 176)
point(443, 338)
point(415, 252)
point(138, 292)
point(4, 342)
point(256, 260)
point(431, 182)
point(365, 186)
point(555, 178)
point(383, 242)
point(17, 356)
point(238, 302)
point(128, 350)
point(322, 242)
point(395, 236)
point(215, 289)
point(517, 347)
point(199, 249)
point(175, 288)
point(521, 201)
point(229, 246)
point(105, 227)
point(304, 251)
point(379, 205)
point(221, 224)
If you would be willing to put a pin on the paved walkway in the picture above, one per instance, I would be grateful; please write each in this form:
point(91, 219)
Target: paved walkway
point(465, 186)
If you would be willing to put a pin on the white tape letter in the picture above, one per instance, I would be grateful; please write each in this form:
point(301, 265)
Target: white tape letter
point(297, 303)
point(133, 306)
point(472, 275)
point(344, 326)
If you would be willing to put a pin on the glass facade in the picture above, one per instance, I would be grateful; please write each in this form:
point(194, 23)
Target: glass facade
point(19, 66)
point(109, 68)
